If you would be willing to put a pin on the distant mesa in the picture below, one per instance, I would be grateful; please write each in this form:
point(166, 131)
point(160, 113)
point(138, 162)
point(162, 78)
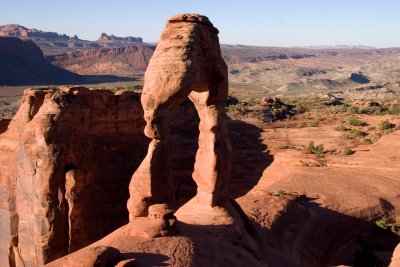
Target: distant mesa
point(15, 30)
point(53, 43)
point(110, 38)
point(22, 63)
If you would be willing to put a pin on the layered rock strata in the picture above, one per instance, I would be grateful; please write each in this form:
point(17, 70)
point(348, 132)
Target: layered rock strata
point(65, 164)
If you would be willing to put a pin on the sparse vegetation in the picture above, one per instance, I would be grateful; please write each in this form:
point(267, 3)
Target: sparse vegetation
point(354, 121)
point(347, 151)
point(280, 193)
point(387, 225)
point(342, 128)
point(284, 147)
point(312, 124)
point(357, 133)
point(386, 125)
point(372, 139)
point(312, 149)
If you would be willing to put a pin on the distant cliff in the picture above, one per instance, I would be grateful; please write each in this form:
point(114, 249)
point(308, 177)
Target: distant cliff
point(117, 61)
point(53, 43)
point(22, 63)
point(111, 38)
point(15, 30)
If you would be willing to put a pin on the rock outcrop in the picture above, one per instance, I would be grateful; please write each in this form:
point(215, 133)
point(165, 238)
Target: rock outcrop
point(187, 63)
point(53, 43)
point(112, 38)
point(15, 30)
point(118, 61)
point(65, 165)
point(22, 63)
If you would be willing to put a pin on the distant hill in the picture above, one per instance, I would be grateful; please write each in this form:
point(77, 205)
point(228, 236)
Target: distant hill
point(22, 63)
point(53, 43)
point(105, 38)
point(117, 61)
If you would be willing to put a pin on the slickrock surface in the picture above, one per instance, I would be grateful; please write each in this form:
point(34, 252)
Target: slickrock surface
point(65, 165)
point(187, 63)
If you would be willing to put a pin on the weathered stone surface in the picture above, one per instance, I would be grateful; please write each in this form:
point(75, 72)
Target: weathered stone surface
point(65, 165)
point(100, 256)
point(187, 63)
point(160, 222)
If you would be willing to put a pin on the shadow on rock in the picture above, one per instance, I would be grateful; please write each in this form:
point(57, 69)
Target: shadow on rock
point(249, 155)
point(146, 259)
point(315, 236)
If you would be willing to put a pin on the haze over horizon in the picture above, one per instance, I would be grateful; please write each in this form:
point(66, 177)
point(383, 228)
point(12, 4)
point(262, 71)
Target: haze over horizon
point(288, 23)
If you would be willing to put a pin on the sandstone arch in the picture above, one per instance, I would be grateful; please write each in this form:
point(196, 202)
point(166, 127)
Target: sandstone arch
point(186, 63)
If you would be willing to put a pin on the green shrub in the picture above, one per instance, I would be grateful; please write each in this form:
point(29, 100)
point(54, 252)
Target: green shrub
point(357, 133)
point(394, 110)
point(353, 110)
point(374, 110)
point(354, 121)
point(384, 224)
point(283, 147)
point(312, 149)
point(385, 125)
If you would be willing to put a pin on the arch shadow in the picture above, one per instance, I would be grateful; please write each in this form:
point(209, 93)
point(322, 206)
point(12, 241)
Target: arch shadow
point(250, 157)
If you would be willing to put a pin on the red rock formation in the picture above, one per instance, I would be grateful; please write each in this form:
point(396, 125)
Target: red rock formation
point(121, 60)
point(187, 63)
point(65, 164)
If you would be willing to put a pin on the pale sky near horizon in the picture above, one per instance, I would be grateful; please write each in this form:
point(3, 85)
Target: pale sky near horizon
point(249, 22)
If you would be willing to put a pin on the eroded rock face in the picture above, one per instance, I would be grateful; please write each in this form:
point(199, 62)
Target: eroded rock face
point(187, 63)
point(65, 165)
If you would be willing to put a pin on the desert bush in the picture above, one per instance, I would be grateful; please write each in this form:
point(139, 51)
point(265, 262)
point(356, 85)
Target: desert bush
point(357, 133)
point(284, 147)
point(312, 124)
point(394, 110)
point(353, 110)
point(386, 125)
point(347, 151)
point(342, 128)
point(387, 225)
point(279, 193)
point(312, 149)
point(354, 121)
point(374, 110)
point(372, 139)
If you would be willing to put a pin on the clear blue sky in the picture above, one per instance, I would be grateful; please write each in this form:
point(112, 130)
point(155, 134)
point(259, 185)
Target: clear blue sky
point(251, 22)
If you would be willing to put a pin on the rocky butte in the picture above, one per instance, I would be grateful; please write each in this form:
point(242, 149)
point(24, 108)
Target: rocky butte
point(65, 164)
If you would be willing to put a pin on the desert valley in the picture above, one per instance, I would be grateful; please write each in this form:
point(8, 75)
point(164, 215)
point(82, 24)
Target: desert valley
point(188, 152)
